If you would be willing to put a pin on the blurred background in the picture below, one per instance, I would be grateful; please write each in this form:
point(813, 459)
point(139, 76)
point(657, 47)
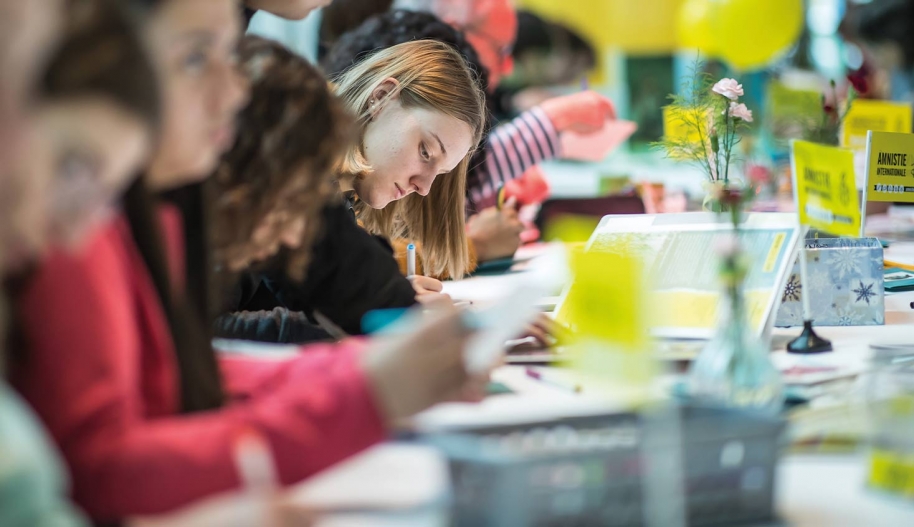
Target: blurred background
point(784, 52)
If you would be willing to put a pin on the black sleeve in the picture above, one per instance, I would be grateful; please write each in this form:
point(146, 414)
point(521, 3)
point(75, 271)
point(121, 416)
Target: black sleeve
point(278, 325)
point(351, 273)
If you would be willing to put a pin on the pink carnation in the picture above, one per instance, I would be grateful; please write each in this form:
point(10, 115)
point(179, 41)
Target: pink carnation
point(740, 111)
point(729, 88)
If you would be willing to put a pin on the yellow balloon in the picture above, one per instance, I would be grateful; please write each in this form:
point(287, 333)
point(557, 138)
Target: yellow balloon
point(693, 27)
point(749, 34)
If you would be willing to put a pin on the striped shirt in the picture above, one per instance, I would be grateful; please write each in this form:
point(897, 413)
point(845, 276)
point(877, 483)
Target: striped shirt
point(511, 149)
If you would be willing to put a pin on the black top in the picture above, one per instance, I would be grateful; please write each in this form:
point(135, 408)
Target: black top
point(247, 15)
point(351, 273)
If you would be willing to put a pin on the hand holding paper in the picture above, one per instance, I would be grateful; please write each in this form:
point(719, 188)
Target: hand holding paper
point(584, 112)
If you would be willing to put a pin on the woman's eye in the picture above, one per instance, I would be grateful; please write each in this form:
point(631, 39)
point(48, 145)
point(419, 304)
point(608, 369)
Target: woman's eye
point(75, 167)
point(424, 152)
point(194, 62)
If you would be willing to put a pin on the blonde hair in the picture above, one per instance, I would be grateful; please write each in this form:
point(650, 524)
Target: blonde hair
point(433, 76)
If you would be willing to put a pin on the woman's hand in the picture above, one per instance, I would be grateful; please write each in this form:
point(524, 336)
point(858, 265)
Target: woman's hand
point(495, 233)
point(409, 373)
point(429, 291)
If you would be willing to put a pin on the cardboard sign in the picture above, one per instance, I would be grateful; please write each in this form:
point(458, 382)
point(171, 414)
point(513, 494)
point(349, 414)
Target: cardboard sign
point(889, 167)
point(878, 116)
point(824, 188)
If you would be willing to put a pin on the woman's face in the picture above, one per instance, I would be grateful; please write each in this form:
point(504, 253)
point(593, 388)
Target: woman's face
point(284, 226)
point(275, 231)
point(27, 32)
point(92, 149)
point(195, 43)
point(407, 149)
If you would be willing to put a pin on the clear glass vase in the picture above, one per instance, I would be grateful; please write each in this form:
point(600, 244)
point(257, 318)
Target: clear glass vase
point(734, 369)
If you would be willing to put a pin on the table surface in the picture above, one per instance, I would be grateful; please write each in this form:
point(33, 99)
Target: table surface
point(813, 490)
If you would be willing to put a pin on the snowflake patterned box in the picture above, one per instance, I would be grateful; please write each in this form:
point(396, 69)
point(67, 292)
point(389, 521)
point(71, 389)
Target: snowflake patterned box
point(846, 283)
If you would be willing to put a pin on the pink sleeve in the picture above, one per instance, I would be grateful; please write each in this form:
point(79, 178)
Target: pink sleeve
point(92, 380)
point(245, 375)
point(512, 148)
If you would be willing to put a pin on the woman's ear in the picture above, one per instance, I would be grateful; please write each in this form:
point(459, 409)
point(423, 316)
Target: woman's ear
point(382, 94)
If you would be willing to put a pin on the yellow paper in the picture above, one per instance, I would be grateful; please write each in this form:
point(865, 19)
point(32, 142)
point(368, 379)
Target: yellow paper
point(605, 309)
point(674, 126)
point(604, 301)
point(892, 471)
point(890, 167)
point(700, 309)
point(789, 103)
point(824, 188)
point(878, 116)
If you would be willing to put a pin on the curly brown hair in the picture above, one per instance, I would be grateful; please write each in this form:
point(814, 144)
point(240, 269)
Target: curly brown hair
point(280, 171)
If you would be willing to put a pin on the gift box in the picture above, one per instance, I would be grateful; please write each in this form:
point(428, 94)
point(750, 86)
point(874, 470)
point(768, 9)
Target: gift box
point(846, 284)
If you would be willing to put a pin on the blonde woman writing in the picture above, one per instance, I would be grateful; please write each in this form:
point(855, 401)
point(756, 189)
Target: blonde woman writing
point(421, 115)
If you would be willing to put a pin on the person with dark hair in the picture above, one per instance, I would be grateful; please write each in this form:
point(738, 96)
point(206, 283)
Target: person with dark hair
point(270, 187)
point(98, 113)
point(127, 381)
point(341, 16)
point(83, 110)
point(545, 54)
point(886, 28)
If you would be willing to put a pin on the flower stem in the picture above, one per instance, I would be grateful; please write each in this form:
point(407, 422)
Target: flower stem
point(728, 143)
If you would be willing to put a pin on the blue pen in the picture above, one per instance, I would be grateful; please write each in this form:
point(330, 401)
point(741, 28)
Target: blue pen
point(410, 260)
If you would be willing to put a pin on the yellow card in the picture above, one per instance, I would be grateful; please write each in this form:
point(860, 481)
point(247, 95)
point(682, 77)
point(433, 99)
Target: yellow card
point(824, 188)
point(878, 116)
point(890, 167)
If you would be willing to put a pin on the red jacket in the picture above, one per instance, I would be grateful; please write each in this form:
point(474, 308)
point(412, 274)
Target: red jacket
point(101, 373)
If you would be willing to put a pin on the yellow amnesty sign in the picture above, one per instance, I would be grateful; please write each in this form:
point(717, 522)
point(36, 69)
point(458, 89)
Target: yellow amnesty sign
point(890, 167)
point(824, 188)
point(878, 116)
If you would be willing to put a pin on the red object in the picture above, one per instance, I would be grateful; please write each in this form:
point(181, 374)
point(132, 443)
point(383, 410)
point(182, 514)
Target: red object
point(101, 373)
point(859, 79)
point(528, 189)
